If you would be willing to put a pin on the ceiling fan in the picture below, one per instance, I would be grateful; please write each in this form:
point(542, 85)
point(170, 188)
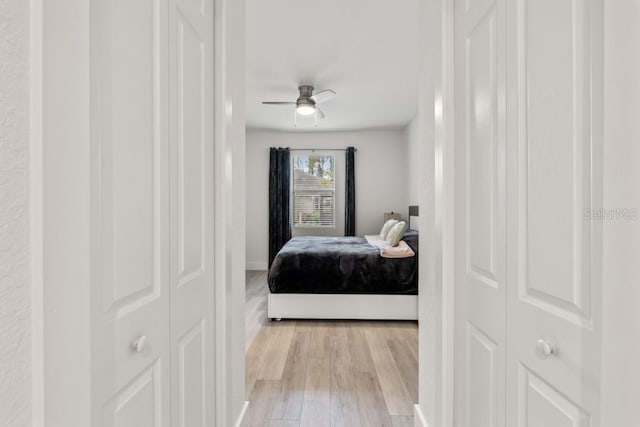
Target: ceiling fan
point(307, 102)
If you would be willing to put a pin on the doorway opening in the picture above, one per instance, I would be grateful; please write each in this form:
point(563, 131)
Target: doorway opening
point(362, 61)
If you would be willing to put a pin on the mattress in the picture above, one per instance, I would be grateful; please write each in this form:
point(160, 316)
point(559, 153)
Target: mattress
point(342, 265)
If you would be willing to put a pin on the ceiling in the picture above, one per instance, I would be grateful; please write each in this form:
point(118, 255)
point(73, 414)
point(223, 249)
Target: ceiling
point(365, 50)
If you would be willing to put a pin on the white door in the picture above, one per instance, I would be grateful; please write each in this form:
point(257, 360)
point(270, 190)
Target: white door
point(481, 282)
point(151, 193)
point(554, 246)
point(191, 151)
point(527, 169)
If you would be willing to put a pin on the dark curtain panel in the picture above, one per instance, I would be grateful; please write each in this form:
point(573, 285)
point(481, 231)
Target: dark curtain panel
point(350, 194)
point(279, 184)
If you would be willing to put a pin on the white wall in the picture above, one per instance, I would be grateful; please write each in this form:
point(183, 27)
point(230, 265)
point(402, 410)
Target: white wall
point(415, 161)
point(15, 347)
point(381, 179)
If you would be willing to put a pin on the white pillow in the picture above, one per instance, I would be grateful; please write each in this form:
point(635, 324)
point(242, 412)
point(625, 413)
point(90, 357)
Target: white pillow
point(387, 227)
point(396, 233)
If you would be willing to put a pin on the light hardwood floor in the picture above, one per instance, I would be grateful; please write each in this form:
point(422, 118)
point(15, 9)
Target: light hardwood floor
point(327, 373)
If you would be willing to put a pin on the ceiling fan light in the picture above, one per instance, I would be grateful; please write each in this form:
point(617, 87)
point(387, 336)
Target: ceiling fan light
point(305, 109)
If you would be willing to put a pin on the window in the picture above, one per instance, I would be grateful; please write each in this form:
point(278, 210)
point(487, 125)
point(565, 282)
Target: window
point(313, 191)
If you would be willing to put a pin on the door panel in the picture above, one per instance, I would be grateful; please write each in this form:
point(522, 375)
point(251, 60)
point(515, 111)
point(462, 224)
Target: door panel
point(191, 145)
point(192, 386)
point(129, 144)
point(138, 403)
point(482, 385)
point(481, 125)
point(542, 405)
point(554, 157)
point(128, 101)
point(129, 205)
point(554, 165)
point(480, 206)
point(191, 151)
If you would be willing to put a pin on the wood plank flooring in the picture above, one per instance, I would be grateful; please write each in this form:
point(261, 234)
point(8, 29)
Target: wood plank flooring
point(327, 373)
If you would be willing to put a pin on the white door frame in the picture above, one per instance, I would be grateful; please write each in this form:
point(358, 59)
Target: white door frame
point(621, 295)
point(436, 136)
point(36, 212)
point(60, 216)
point(230, 212)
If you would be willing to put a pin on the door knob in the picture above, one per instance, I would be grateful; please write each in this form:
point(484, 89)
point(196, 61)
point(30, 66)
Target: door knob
point(138, 344)
point(544, 349)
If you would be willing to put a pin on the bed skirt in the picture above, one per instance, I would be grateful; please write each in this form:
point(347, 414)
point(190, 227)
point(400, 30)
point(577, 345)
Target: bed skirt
point(342, 306)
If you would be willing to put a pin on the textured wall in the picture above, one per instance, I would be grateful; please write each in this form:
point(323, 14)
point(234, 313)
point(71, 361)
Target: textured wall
point(15, 356)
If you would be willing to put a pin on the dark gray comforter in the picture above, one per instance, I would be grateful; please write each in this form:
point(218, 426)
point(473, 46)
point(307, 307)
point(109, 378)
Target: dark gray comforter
point(347, 265)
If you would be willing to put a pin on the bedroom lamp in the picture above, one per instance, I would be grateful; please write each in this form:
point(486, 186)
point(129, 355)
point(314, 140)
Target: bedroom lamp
point(392, 215)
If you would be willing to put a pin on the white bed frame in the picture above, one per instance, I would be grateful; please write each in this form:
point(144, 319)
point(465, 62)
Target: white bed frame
point(342, 306)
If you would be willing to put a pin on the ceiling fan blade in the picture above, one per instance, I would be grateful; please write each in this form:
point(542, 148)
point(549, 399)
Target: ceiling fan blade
point(322, 96)
point(320, 113)
point(278, 103)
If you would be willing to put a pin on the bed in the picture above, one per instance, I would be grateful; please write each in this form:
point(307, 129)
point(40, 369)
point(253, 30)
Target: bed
point(342, 278)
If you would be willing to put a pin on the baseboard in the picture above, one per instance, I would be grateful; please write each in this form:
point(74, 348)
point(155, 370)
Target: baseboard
point(243, 418)
point(418, 417)
point(257, 265)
